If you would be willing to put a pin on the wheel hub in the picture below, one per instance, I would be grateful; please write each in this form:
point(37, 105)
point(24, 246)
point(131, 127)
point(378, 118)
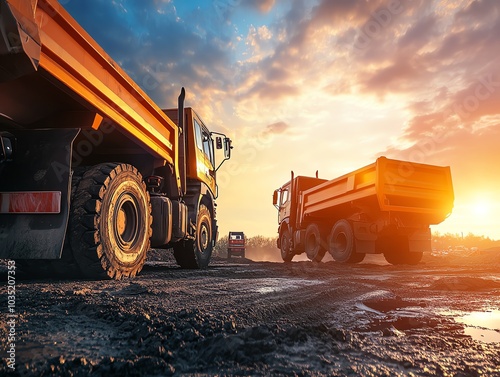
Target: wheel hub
point(340, 242)
point(204, 237)
point(126, 224)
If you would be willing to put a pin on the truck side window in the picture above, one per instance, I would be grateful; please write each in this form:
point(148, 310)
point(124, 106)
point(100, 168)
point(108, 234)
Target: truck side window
point(208, 147)
point(204, 142)
point(284, 196)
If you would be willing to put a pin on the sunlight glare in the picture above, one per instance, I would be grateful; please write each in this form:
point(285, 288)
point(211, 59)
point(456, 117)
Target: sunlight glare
point(481, 208)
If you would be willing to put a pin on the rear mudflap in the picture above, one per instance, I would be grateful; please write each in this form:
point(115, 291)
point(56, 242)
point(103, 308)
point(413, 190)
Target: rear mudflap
point(40, 163)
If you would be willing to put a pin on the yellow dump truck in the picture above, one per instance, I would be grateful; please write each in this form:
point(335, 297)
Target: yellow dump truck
point(92, 172)
point(385, 207)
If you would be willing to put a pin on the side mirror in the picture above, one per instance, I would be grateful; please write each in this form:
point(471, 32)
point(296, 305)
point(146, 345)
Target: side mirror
point(227, 148)
point(275, 197)
point(225, 143)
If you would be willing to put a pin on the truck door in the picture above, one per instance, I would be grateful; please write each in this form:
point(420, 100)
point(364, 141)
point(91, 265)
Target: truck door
point(205, 159)
point(284, 203)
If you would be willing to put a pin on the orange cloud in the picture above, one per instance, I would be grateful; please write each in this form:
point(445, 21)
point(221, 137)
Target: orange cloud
point(275, 128)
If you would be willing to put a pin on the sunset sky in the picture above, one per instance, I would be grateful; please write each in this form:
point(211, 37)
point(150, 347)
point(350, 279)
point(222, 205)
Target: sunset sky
point(324, 85)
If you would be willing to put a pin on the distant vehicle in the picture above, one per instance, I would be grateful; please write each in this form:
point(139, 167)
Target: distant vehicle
point(385, 207)
point(236, 244)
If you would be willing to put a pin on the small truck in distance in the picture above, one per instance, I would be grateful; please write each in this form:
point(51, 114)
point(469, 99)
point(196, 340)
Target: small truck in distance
point(385, 207)
point(236, 244)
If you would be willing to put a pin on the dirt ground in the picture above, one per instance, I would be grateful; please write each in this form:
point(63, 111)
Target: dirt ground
point(240, 317)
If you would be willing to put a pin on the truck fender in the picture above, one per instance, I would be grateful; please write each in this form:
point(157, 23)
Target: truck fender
point(44, 158)
point(364, 236)
point(282, 227)
point(208, 200)
point(197, 195)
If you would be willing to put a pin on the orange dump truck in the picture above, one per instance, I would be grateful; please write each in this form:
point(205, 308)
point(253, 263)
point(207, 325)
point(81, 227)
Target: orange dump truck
point(92, 172)
point(385, 207)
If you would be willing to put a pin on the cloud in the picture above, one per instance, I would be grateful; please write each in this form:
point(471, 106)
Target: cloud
point(161, 51)
point(416, 47)
point(479, 10)
point(402, 75)
point(420, 34)
point(263, 6)
point(275, 128)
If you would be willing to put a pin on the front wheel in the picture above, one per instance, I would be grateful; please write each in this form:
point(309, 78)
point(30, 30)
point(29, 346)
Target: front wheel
point(196, 253)
point(286, 246)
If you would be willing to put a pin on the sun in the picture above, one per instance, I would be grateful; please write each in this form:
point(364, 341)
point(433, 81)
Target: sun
point(481, 208)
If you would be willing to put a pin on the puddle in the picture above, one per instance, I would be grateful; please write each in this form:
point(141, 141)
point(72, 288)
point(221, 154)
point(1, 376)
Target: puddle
point(271, 285)
point(365, 308)
point(490, 319)
point(482, 326)
point(486, 336)
point(373, 277)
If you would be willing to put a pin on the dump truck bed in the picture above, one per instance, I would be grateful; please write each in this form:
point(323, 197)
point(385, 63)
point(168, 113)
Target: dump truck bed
point(392, 185)
point(50, 67)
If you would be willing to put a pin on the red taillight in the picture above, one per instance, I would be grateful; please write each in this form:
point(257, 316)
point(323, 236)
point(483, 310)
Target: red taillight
point(237, 242)
point(30, 202)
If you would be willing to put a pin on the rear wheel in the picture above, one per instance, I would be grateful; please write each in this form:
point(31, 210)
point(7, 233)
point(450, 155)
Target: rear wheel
point(110, 224)
point(314, 245)
point(286, 246)
point(341, 243)
point(197, 253)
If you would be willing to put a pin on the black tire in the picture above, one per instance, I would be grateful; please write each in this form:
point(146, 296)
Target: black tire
point(286, 246)
point(341, 243)
point(397, 252)
point(228, 254)
point(196, 253)
point(110, 224)
point(314, 243)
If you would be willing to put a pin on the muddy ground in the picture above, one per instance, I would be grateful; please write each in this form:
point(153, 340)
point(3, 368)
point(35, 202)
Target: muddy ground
point(241, 317)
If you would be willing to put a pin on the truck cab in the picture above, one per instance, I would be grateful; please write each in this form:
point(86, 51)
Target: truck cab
point(285, 199)
point(201, 147)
